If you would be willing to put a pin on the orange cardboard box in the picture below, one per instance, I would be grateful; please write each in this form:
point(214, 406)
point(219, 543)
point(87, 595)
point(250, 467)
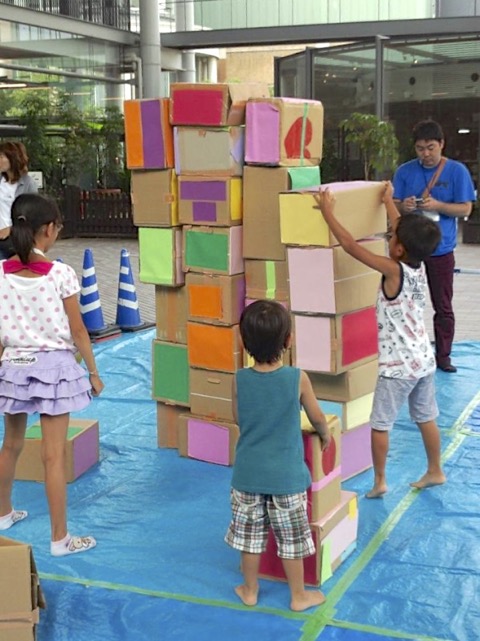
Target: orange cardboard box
point(215, 299)
point(214, 347)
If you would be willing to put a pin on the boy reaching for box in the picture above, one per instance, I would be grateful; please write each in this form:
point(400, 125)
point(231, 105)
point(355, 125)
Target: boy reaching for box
point(406, 366)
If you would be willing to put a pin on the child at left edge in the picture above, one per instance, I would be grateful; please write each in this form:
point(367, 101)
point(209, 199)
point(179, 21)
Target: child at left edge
point(270, 477)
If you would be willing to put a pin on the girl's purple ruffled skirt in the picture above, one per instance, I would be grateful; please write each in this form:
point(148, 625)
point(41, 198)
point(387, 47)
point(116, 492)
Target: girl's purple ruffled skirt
point(50, 383)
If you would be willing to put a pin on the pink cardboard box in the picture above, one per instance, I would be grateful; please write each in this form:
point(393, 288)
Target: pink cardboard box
point(334, 344)
point(284, 132)
point(205, 440)
point(356, 451)
point(326, 280)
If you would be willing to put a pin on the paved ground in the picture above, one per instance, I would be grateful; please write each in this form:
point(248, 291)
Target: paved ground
point(106, 255)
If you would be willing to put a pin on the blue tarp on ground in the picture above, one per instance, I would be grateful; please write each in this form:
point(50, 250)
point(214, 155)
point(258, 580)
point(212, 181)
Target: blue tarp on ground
point(161, 569)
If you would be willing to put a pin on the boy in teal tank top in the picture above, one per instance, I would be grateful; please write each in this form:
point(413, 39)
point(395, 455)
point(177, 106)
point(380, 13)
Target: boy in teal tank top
point(270, 477)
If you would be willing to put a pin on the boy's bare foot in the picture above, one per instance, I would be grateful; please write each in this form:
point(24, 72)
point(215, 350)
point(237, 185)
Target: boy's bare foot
point(309, 599)
point(377, 492)
point(247, 596)
point(429, 479)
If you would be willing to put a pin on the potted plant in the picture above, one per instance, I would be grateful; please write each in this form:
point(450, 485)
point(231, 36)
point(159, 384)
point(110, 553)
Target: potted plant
point(376, 142)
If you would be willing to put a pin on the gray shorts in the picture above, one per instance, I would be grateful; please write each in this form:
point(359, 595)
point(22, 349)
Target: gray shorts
point(390, 395)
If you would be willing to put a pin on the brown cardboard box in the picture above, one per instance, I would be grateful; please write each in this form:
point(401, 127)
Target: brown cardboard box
point(168, 417)
point(209, 151)
point(20, 593)
point(358, 207)
point(155, 198)
point(215, 299)
point(215, 104)
point(82, 451)
point(206, 440)
point(266, 279)
point(210, 200)
point(261, 212)
point(347, 386)
point(211, 394)
point(171, 314)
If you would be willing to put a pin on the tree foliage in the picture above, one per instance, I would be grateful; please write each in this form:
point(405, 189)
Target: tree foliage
point(68, 145)
point(376, 141)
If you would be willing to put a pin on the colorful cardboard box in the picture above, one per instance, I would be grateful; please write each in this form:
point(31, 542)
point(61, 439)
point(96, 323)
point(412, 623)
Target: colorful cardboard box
point(82, 451)
point(351, 413)
point(334, 344)
point(21, 595)
point(148, 134)
point(211, 394)
point(349, 385)
point(327, 280)
point(335, 538)
point(170, 379)
point(155, 198)
point(284, 131)
point(324, 493)
point(212, 104)
point(171, 311)
point(215, 299)
point(213, 250)
point(358, 207)
point(210, 201)
point(214, 347)
point(160, 256)
point(207, 152)
point(204, 440)
point(168, 418)
point(356, 451)
point(266, 279)
point(261, 208)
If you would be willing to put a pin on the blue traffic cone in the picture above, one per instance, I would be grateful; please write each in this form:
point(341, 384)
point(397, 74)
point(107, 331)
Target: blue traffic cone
point(90, 306)
point(128, 313)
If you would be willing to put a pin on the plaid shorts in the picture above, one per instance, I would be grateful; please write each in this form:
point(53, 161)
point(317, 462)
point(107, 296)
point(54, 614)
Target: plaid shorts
point(253, 514)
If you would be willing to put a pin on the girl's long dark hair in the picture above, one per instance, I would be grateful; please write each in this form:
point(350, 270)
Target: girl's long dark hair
point(29, 213)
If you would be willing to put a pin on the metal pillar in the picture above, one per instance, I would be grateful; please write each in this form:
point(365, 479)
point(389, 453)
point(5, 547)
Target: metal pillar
point(150, 51)
point(379, 76)
point(185, 21)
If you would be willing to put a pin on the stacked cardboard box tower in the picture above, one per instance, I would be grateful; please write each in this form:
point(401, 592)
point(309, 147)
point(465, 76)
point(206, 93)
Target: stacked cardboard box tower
point(189, 207)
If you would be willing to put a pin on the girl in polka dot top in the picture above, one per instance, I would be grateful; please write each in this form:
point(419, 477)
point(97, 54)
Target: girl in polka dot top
point(41, 329)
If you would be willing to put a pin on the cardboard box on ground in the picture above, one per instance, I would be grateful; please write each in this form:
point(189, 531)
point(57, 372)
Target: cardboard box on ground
point(21, 595)
point(82, 451)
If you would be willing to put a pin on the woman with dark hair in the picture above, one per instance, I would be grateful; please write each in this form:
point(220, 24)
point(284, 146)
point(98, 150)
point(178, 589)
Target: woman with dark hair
point(14, 181)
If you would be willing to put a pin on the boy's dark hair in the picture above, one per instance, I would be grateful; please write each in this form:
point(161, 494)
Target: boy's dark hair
point(265, 327)
point(419, 236)
point(29, 213)
point(427, 130)
point(17, 157)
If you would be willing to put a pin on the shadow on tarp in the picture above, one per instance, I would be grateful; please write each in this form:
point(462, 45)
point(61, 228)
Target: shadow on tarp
point(160, 521)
